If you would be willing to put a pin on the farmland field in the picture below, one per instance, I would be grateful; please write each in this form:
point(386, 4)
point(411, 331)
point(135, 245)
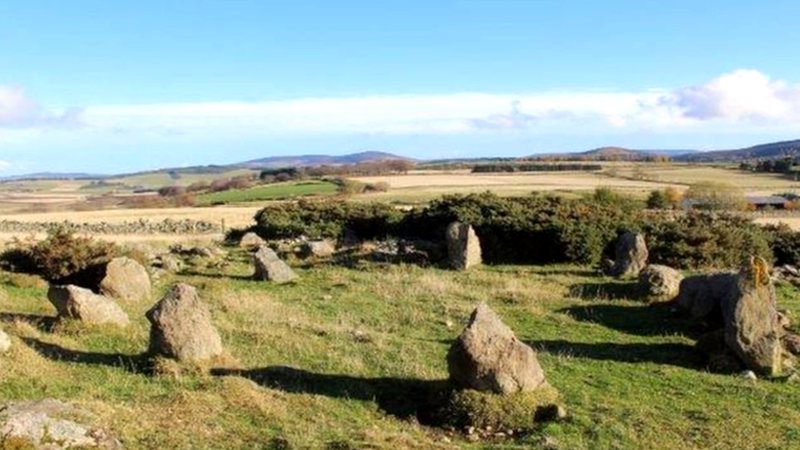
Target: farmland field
point(280, 191)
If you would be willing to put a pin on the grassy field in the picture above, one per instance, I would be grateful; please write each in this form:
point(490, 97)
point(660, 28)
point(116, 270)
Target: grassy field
point(278, 191)
point(358, 339)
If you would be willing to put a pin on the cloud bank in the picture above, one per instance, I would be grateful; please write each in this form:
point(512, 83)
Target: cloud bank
point(737, 100)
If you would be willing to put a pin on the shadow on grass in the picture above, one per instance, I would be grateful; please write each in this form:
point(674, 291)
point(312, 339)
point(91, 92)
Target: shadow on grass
point(653, 320)
point(680, 355)
point(607, 290)
point(405, 398)
point(139, 364)
point(216, 276)
point(43, 323)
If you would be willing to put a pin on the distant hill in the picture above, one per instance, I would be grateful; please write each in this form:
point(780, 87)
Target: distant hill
point(53, 176)
point(612, 154)
point(773, 150)
point(274, 162)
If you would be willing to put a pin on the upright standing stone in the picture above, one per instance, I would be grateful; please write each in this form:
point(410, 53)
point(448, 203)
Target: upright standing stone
point(181, 327)
point(463, 246)
point(630, 255)
point(126, 279)
point(488, 357)
point(270, 268)
point(81, 304)
point(752, 327)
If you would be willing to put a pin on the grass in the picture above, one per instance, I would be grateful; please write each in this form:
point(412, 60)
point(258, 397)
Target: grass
point(323, 363)
point(278, 191)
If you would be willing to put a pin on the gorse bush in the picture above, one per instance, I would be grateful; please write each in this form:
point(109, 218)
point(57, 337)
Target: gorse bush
point(543, 229)
point(326, 219)
point(61, 258)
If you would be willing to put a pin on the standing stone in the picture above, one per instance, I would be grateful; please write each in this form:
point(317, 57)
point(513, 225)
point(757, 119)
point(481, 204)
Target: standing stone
point(751, 320)
point(49, 424)
point(488, 357)
point(181, 327)
point(630, 255)
point(126, 279)
point(251, 240)
point(463, 246)
point(270, 268)
point(5, 342)
point(81, 304)
point(318, 249)
point(660, 283)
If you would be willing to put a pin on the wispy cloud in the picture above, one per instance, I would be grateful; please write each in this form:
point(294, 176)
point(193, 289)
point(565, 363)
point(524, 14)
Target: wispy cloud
point(17, 110)
point(742, 98)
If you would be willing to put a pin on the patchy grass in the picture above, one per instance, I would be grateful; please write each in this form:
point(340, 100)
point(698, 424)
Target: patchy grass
point(339, 359)
point(279, 191)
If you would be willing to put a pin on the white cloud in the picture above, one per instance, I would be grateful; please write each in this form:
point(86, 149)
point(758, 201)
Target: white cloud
point(736, 100)
point(17, 110)
point(4, 165)
point(742, 95)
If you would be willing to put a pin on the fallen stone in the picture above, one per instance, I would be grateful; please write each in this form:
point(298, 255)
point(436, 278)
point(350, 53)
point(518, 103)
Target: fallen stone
point(126, 279)
point(51, 425)
point(630, 255)
point(74, 302)
point(268, 267)
point(318, 249)
point(659, 283)
point(488, 357)
point(251, 240)
point(181, 327)
point(463, 246)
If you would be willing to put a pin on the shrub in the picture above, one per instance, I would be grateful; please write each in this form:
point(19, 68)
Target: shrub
point(62, 258)
point(785, 244)
point(537, 229)
point(657, 200)
point(326, 219)
point(483, 410)
point(350, 187)
point(701, 240)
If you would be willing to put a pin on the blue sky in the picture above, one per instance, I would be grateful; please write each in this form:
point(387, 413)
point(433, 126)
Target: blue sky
point(116, 86)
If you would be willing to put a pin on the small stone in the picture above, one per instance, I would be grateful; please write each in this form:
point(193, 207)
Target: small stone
point(181, 327)
point(318, 249)
point(5, 342)
point(749, 375)
point(251, 240)
point(793, 378)
point(73, 302)
point(126, 279)
point(268, 267)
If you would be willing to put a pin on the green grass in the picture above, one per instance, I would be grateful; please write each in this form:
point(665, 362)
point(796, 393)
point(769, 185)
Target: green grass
point(358, 339)
point(277, 191)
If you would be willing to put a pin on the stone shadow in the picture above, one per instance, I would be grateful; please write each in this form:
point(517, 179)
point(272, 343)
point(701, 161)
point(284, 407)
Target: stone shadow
point(606, 290)
point(139, 364)
point(43, 323)
point(405, 398)
point(652, 320)
point(681, 355)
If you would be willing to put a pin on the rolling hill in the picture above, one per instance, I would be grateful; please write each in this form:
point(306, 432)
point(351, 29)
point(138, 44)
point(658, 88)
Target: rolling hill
point(612, 154)
point(772, 150)
point(274, 162)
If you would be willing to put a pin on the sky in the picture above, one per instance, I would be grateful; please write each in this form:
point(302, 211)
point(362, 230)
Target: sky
point(120, 86)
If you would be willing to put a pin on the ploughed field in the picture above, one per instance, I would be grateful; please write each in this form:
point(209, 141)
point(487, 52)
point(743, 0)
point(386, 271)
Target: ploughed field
point(325, 362)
